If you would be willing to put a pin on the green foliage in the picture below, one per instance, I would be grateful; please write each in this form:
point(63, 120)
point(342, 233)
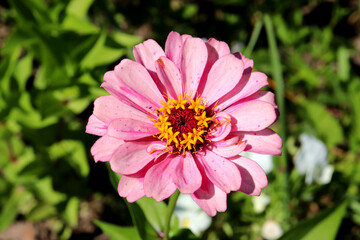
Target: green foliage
point(324, 225)
point(115, 232)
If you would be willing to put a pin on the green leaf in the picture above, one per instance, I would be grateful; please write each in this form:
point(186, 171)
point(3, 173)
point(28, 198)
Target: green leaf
point(79, 8)
point(125, 39)
point(144, 228)
point(325, 123)
point(41, 212)
point(72, 211)
point(185, 234)
point(115, 232)
point(44, 190)
point(114, 177)
point(74, 152)
point(7, 68)
point(354, 98)
point(343, 59)
point(101, 54)
point(10, 209)
point(79, 25)
point(323, 226)
point(155, 212)
point(23, 71)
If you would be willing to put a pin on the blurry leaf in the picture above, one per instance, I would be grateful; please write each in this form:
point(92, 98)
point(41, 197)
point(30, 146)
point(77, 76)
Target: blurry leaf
point(30, 11)
point(28, 116)
point(79, 8)
point(155, 212)
point(41, 212)
point(115, 232)
point(79, 25)
point(323, 226)
point(354, 98)
point(114, 177)
point(23, 71)
point(125, 39)
point(72, 211)
point(7, 68)
point(66, 233)
point(144, 228)
point(10, 209)
point(74, 152)
point(325, 123)
point(185, 234)
point(343, 59)
point(100, 54)
point(44, 189)
point(189, 11)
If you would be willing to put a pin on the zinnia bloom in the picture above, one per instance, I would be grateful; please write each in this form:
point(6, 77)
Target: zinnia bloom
point(179, 118)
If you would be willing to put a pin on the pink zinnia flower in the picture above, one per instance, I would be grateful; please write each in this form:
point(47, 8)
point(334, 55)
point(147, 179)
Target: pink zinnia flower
point(179, 118)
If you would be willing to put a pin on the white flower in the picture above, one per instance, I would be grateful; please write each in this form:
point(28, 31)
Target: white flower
point(271, 230)
point(311, 160)
point(190, 215)
point(265, 161)
point(260, 202)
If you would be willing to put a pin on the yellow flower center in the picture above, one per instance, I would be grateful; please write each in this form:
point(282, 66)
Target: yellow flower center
point(183, 123)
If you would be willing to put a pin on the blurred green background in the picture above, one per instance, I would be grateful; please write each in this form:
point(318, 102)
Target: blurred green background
point(54, 54)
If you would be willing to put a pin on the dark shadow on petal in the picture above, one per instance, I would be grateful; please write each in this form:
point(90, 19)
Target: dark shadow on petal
point(247, 182)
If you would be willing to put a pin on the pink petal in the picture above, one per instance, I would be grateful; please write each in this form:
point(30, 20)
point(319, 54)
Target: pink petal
point(131, 157)
point(117, 88)
point(229, 147)
point(216, 49)
point(173, 48)
point(265, 141)
point(158, 182)
point(137, 83)
point(209, 197)
point(170, 76)
point(252, 116)
point(187, 175)
point(222, 78)
point(158, 149)
point(253, 177)
point(147, 53)
point(261, 95)
point(221, 128)
point(193, 62)
point(107, 108)
point(221, 171)
point(131, 129)
point(214, 204)
point(248, 63)
point(96, 126)
point(131, 187)
point(248, 84)
point(184, 37)
point(104, 148)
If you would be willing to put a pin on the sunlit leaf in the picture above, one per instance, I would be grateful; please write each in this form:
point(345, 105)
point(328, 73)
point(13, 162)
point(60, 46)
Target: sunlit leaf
point(343, 59)
point(144, 228)
point(325, 123)
point(115, 232)
point(323, 226)
point(101, 54)
point(72, 211)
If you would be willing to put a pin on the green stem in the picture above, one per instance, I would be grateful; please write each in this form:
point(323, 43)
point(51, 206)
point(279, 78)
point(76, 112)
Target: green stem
point(254, 37)
point(171, 207)
point(282, 178)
